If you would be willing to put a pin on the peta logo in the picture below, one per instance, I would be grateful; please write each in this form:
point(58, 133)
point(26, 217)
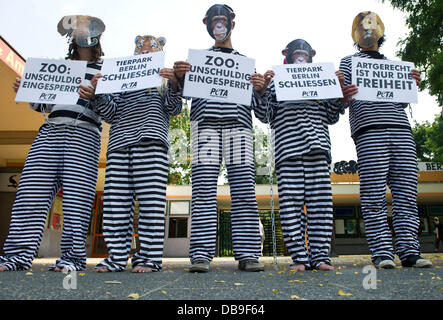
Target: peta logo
point(309, 94)
point(47, 97)
point(130, 85)
point(385, 95)
point(219, 93)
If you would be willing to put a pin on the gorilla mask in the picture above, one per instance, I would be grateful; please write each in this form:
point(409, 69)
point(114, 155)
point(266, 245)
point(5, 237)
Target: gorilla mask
point(218, 20)
point(298, 51)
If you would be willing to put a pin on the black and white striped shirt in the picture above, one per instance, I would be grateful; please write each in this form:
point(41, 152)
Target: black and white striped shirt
point(81, 114)
point(138, 116)
point(229, 115)
point(365, 115)
point(299, 127)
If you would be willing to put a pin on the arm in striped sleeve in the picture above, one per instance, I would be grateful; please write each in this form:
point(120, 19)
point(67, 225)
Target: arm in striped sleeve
point(173, 100)
point(106, 106)
point(265, 106)
point(41, 107)
point(334, 107)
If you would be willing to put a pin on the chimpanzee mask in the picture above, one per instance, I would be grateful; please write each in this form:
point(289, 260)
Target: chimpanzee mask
point(85, 30)
point(145, 44)
point(367, 28)
point(298, 51)
point(218, 20)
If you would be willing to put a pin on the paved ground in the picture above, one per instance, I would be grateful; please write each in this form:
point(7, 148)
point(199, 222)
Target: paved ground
point(225, 282)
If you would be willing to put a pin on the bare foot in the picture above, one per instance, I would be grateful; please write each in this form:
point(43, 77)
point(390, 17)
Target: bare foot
point(297, 267)
point(324, 266)
point(57, 269)
point(140, 269)
point(3, 268)
point(102, 270)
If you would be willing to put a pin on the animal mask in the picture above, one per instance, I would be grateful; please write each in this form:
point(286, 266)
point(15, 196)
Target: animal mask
point(85, 30)
point(218, 21)
point(367, 28)
point(148, 44)
point(298, 51)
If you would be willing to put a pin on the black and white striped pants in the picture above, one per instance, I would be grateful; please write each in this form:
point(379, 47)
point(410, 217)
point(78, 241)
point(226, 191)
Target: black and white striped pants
point(388, 156)
point(60, 157)
point(210, 144)
point(135, 172)
point(306, 181)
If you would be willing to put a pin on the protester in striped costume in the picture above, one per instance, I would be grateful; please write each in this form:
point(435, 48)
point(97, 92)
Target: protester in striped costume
point(64, 155)
point(386, 155)
point(222, 130)
point(137, 167)
point(302, 158)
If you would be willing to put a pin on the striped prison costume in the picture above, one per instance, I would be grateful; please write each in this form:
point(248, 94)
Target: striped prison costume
point(223, 130)
point(386, 155)
point(302, 156)
point(64, 155)
point(137, 167)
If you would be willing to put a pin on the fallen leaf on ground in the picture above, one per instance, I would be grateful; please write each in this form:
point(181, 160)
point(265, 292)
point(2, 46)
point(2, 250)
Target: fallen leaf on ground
point(238, 284)
point(297, 297)
point(113, 282)
point(28, 274)
point(343, 294)
point(297, 281)
point(275, 290)
point(219, 281)
point(134, 296)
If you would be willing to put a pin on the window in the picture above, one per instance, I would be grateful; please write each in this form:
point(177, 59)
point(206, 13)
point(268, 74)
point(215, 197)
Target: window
point(178, 228)
point(436, 211)
point(345, 222)
point(181, 208)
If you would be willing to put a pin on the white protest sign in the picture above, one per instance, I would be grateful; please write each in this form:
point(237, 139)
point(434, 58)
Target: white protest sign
point(219, 76)
point(306, 81)
point(131, 73)
point(384, 80)
point(51, 81)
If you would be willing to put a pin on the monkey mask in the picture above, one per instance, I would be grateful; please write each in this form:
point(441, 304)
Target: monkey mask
point(298, 51)
point(85, 30)
point(148, 43)
point(367, 28)
point(218, 21)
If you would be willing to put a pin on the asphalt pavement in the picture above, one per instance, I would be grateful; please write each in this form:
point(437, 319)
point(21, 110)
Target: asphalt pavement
point(226, 290)
point(351, 280)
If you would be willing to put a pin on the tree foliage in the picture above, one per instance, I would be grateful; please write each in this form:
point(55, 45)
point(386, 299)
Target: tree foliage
point(262, 148)
point(423, 45)
point(429, 140)
point(180, 152)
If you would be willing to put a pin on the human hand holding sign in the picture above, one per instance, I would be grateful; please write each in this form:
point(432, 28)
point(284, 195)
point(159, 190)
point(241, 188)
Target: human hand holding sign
point(416, 76)
point(169, 74)
point(180, 69)
point(341, 77)
point(261, 82)
point(16, 84)
point(348, 92)
point(258, 82)
point(88, 92)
